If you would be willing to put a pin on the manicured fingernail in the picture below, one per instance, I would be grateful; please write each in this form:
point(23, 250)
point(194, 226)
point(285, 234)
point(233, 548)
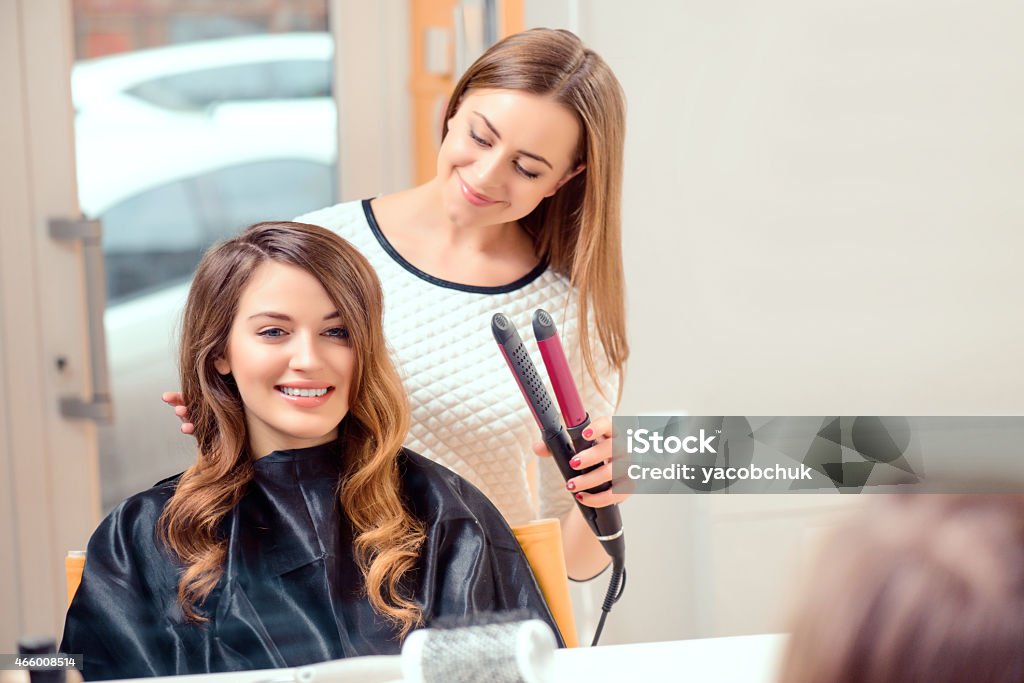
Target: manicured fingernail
point(571, 485)
point(588, 433)
point(579, 496)
point(575, 462)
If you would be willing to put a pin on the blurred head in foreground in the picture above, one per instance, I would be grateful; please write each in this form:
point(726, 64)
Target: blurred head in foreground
point(917, 588)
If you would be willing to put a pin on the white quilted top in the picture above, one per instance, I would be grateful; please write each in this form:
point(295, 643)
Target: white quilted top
point(467, 411)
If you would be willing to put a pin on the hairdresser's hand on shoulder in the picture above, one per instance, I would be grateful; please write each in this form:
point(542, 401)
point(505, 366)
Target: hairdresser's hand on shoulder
point(175, 399)
point(600, 432)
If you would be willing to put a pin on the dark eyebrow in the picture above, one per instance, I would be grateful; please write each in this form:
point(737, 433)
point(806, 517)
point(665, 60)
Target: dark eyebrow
point(521, 151)
point(270, 314)
point(286, 318)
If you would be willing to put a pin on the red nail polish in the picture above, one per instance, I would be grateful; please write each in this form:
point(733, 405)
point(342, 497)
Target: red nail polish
point(575, 462)
point(579, 496)
point(588, 433)
point(570, 485)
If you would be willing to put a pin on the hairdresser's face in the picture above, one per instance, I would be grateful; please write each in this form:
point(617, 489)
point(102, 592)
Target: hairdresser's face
point(291, 358)
point(505, 151)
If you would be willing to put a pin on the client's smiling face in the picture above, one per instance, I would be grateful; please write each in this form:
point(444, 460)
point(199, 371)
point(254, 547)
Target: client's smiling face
point(291, 358)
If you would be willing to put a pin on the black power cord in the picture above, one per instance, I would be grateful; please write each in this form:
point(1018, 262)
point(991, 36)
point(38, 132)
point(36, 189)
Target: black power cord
point(616, 585)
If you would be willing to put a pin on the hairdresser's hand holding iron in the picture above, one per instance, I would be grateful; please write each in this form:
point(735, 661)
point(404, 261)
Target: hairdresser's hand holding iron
point(600, 432)
point(577, 537)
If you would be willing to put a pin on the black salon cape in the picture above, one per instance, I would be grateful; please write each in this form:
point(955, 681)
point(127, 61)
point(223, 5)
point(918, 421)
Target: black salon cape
point(291, 592)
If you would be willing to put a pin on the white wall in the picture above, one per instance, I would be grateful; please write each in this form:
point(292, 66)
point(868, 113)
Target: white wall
point(823, 215)
point(829, 194)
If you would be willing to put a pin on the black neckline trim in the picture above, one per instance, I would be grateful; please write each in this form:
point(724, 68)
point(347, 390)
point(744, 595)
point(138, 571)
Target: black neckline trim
point(472, 289)
point(331, 448)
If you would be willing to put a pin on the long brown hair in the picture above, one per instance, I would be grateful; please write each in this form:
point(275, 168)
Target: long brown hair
point(577, 230)
point(926, 587)
point(388, 539)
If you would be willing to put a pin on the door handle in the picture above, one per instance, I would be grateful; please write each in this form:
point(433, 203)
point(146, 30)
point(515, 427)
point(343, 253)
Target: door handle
point(98, 407)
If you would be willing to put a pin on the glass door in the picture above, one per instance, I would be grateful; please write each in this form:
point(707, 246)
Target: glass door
point(193, 120)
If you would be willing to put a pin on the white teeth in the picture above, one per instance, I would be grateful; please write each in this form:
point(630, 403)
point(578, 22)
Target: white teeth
point(288, 391)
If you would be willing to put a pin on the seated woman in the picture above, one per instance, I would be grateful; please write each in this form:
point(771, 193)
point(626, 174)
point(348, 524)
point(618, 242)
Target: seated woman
point(922, 588)
point(304, 531)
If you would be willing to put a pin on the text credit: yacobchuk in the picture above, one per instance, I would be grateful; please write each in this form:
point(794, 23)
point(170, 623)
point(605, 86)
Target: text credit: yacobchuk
point(646, 442)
